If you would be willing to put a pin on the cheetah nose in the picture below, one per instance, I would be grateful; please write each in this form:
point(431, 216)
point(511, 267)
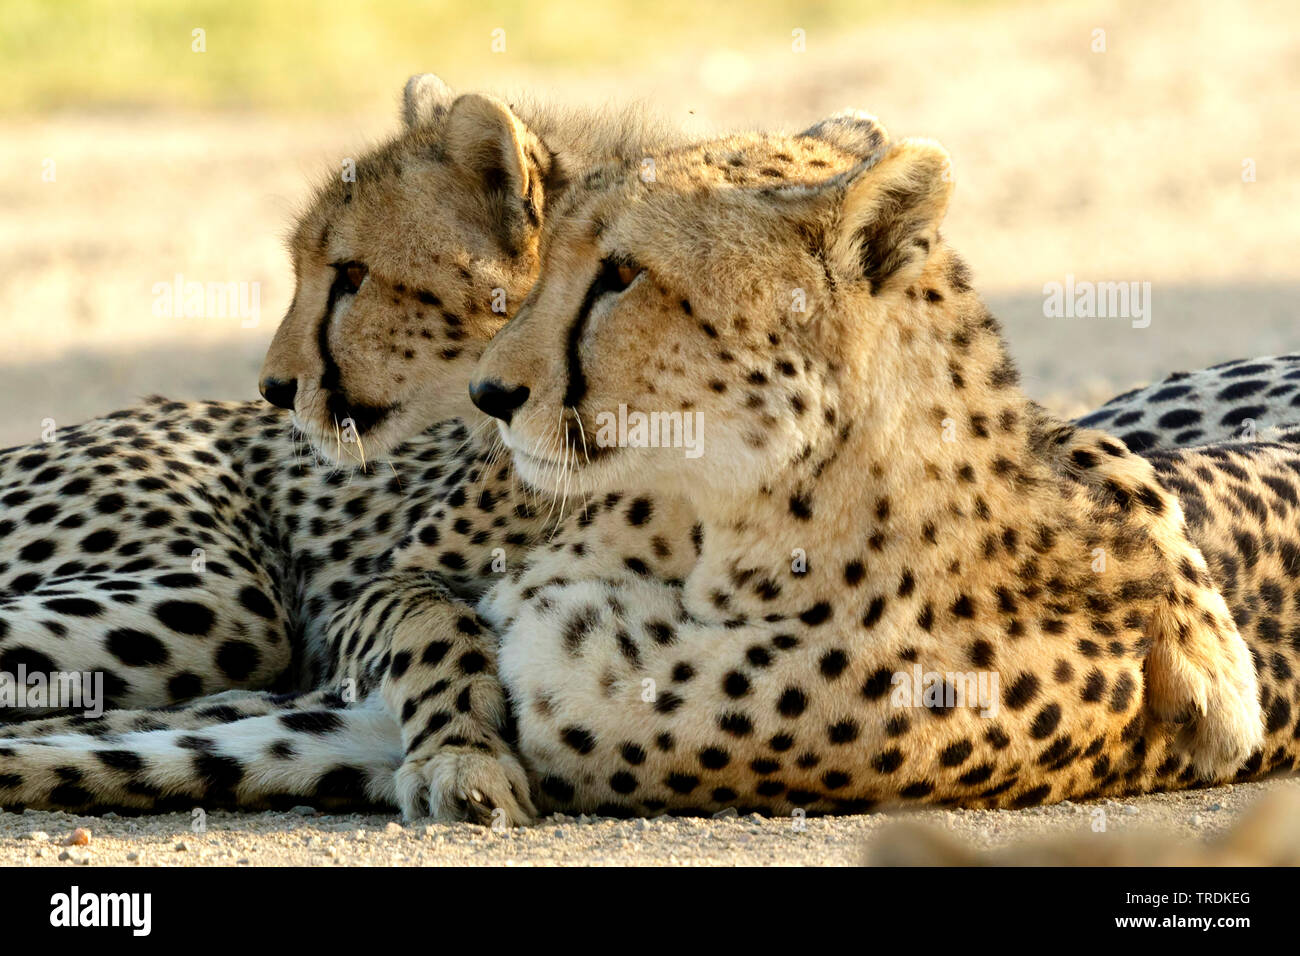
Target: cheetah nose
point(499, 401)
point(278, 392)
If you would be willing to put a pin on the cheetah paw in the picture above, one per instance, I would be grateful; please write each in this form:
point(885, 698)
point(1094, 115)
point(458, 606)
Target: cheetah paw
point(1221, 698)
point(1228, 731)
point(459, 784)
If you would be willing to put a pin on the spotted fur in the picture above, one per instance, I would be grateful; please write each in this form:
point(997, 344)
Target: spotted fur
point(1239, 399)
point(1137, 613)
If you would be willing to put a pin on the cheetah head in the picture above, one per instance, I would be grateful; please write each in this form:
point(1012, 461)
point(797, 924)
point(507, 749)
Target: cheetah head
point(770, 314)
point(406, 264)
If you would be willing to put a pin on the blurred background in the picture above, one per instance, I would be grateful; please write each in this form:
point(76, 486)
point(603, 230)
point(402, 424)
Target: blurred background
point(145, 140)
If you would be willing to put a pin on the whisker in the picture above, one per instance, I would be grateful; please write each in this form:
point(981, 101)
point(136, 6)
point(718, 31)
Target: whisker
point(362, 447)
point(582, 433)
point(551, 454)
point(566, 468)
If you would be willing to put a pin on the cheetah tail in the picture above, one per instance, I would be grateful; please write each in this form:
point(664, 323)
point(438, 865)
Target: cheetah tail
point(329, 757)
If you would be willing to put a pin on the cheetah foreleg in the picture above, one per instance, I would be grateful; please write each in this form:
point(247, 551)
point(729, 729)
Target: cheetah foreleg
point(435, 667)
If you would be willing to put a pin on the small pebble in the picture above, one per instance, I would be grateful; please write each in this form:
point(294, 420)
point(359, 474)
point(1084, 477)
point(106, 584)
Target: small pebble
point(305, 811)
point(78, 837)
point(393, 829)
point(40, 836)
point(132, 857)
point(182, 846)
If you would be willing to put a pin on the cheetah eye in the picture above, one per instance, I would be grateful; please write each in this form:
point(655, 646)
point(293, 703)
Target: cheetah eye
point(615, 275)
point(627, 274)
point(348, 277)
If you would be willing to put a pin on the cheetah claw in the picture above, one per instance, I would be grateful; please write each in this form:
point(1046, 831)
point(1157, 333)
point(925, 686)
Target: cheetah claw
point(463, 784)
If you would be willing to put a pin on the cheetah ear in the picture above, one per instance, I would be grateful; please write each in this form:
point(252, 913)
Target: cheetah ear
point(486, 139)
point(424, 98)
point(890, 213)
point(853, 131)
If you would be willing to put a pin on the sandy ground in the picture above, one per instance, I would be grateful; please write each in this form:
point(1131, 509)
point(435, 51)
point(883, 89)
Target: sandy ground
point(307, 839)
point(1123, 165)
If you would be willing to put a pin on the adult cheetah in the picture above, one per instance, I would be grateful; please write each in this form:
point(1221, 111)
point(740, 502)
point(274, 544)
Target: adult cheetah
point(185, 552)
point(986, 607)
point(184, 548)
point(1238, 399)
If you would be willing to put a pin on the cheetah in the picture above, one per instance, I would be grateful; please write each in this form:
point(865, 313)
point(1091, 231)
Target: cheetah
point(1027, 613)
point(1237, 399)
point(190, 552)
point(282, 747)
point(185, 548)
